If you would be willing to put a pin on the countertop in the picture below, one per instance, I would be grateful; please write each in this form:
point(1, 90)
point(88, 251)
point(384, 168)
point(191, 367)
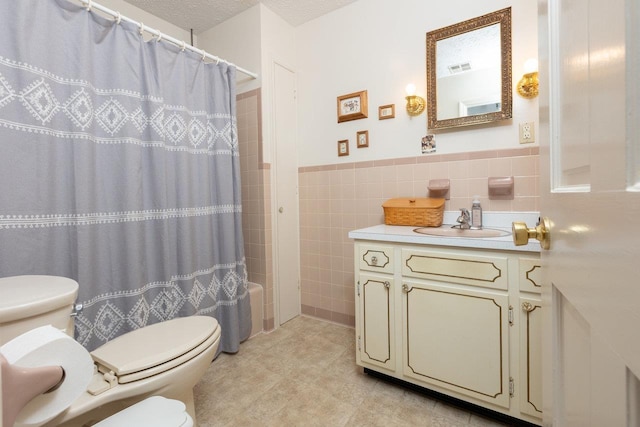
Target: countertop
point(495, 220)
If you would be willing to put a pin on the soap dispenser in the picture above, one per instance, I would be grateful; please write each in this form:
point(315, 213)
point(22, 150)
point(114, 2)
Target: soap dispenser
point(476, 213)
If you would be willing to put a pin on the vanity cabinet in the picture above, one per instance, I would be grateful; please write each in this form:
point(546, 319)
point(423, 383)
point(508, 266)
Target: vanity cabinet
point(460, 321)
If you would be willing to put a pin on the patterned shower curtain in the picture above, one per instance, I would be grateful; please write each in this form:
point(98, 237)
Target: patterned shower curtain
point(119, 168)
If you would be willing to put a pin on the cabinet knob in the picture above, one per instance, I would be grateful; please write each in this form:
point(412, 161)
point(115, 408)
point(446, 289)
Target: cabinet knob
point(405, 288)
point(528, 307)
point(374, 260)
point(387, 284)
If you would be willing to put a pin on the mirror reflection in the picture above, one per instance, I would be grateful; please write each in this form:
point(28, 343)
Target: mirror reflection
point(469, 72)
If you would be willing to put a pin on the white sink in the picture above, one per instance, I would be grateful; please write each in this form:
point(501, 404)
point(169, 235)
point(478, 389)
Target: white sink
point(446, 231)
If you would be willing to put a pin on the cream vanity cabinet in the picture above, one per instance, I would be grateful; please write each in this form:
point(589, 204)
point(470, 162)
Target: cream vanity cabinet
point(459, 321)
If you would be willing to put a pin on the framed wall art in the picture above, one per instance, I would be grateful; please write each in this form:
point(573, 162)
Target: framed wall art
point(386, 111)
point(362, 139)
point(352, 106)
point(343, 148)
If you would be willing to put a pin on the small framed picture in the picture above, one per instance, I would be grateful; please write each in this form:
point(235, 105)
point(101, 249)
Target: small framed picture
point(386, 112)
point(352, 106)
point(343, 148)
point(428, 144)
point(362, 139)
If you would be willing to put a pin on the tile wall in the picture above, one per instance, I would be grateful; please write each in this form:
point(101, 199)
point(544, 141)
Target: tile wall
point(256, 199)
point(335, 199)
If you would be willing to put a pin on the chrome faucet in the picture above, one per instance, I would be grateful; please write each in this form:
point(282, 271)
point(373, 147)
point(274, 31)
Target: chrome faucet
point(463, 219)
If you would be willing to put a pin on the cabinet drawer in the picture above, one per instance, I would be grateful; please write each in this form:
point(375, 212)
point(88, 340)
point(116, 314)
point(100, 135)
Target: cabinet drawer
point(376, 258)
point(488, 272)
point(530, 275)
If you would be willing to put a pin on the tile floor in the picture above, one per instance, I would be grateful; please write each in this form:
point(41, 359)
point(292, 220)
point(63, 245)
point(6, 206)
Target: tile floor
point(304, 374)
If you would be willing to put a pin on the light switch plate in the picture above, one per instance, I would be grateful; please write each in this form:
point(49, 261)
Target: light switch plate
point(527, 133)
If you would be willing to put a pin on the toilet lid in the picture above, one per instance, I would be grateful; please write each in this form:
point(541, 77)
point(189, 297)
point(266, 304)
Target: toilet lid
point(155, 411)
point(22, 296)
point(156, 348)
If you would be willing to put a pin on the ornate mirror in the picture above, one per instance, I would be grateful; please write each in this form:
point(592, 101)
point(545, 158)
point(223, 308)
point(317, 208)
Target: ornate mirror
point(469, 72)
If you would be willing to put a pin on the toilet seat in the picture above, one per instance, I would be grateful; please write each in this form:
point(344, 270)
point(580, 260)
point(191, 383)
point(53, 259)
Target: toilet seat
point(156, 411)
point(154, 349)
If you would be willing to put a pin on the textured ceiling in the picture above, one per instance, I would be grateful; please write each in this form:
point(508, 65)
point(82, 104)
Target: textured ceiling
point(200, 15)
point(480, 48)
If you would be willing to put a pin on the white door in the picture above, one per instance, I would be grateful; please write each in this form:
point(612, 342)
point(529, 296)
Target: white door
point(590, 178)
point(287, 249)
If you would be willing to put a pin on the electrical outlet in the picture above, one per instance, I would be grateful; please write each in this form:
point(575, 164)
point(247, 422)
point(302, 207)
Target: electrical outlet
point(527, 133)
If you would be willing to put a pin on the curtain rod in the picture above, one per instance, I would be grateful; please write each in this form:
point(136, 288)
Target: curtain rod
point(90, 4)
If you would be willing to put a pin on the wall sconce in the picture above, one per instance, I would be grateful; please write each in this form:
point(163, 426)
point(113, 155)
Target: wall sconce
point(415, 104)
point(528, 84)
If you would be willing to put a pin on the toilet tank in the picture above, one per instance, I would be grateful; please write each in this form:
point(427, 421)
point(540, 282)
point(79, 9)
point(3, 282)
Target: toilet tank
point(28, 302)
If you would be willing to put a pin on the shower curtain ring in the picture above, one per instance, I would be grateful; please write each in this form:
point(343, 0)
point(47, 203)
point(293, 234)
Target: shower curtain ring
point(141, 28)
point(204, 55)
point(89, 5)
point(158, 37)
point(184, 46)
point(118, 19)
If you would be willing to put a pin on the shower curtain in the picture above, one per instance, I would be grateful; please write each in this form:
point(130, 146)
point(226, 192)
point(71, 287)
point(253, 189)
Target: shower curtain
point(119, 168)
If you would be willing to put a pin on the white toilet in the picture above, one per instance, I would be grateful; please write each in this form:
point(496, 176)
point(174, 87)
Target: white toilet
point(154, 411)
point(165, 359)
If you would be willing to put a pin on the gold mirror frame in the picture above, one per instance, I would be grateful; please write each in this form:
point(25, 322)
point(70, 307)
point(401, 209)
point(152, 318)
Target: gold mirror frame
point(502, 17)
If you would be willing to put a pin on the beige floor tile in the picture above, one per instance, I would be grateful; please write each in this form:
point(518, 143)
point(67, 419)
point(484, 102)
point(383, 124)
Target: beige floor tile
point(363, 417)
point(452, 412)
point(304, 374)
point(481, 421)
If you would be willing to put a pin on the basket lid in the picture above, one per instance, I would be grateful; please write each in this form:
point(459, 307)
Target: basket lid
point(414, 202)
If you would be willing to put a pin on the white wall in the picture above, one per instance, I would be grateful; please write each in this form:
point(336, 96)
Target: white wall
point(278, 46)
point(254, 40)
point(374, 45)
point(380, 46)
point(147, 19)
point(238, 40)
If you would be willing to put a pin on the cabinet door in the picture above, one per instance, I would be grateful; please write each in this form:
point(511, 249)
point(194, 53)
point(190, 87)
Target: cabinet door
point(457, 339)
point(531, 356)
point(376, 320)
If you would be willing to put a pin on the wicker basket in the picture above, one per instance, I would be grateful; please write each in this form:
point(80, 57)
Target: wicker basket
point(416, 212)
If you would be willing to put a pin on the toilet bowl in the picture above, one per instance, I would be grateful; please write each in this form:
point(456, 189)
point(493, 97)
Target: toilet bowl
point(165, 359)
